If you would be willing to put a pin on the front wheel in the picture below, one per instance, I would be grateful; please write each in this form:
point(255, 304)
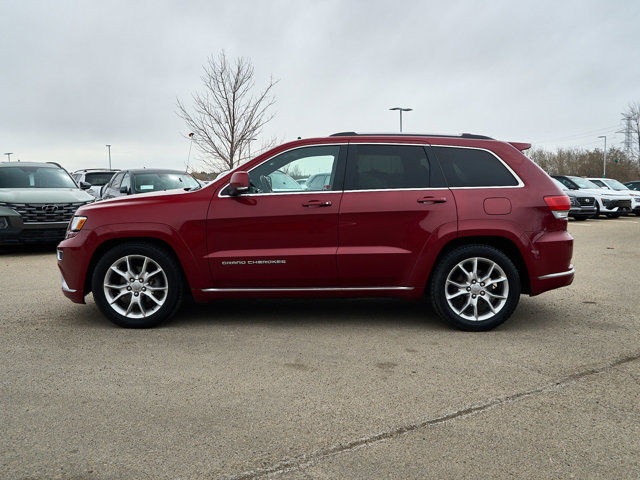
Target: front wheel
point(137, 285)
point(475, 287)
point(613, 215)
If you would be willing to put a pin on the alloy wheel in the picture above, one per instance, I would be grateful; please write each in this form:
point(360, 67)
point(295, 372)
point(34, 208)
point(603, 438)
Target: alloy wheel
point(477, 289)
point(135, 286)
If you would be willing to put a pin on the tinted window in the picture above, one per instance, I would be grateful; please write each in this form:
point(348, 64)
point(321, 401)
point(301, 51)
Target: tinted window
point(466, 167)
point(373, 167)
point(97, 178)
point(280, 173)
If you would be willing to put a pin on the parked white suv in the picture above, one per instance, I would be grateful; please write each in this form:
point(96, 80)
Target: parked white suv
point(608, 202)
point(616, 186)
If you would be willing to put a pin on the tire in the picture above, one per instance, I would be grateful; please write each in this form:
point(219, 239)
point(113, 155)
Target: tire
point(580, 217)
point(449, 279)
point(151, 298)
point(597, 214)
point(613, 215)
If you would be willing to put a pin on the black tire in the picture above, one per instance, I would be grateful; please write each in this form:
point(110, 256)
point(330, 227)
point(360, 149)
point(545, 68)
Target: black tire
point(597, 214)
point(174, 283)
point(437, 287)
point(613, 215)
point(580, 217)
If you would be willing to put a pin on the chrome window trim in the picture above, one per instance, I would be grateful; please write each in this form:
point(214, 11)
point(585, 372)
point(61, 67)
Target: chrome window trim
point(520, 184)
point(305, 289)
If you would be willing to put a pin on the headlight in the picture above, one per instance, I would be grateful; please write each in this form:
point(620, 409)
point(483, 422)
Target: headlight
point(77, 223)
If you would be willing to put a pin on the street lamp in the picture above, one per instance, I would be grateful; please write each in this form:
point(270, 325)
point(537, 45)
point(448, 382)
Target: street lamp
point(401, 109)
point(8, 154)
point(109, 148)
point(604, 163)
point(249, 144)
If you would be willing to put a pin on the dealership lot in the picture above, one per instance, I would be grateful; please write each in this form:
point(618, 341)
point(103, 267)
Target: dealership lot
point(326, 388)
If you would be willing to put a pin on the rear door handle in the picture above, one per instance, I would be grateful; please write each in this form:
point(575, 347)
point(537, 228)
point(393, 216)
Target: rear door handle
point(317, 203)
point(431, 199)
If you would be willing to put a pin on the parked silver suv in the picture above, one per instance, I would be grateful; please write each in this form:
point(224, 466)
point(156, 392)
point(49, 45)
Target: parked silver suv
point(37, 200)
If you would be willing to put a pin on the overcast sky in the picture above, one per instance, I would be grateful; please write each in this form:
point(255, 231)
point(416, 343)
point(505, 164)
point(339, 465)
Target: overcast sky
point(75, 76)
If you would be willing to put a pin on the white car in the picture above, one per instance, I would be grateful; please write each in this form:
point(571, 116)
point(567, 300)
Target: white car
point(608, 202)
point(616, 186)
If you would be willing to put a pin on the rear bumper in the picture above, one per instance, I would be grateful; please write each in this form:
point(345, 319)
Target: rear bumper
point(550, 266)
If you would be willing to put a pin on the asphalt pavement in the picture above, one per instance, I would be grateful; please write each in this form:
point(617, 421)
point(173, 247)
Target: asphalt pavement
point(317, 389)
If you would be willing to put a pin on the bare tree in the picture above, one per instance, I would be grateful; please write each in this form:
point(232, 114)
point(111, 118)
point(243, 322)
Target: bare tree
point(227, 114)
point(631, 117)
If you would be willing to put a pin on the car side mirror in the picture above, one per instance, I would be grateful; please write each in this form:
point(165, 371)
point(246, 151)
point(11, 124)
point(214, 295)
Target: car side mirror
point(85, 185)
point(124, 189)
point(239, 183)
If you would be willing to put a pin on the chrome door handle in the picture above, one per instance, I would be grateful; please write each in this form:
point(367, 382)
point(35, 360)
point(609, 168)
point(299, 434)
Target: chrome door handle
point(432, 200)
point(316, 203)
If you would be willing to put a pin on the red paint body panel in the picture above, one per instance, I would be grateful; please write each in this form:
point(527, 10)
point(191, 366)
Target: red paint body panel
point(363, 239)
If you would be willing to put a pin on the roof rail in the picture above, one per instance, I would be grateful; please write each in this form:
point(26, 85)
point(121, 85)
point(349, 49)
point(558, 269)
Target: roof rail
point(56, 164)
point(462, 135)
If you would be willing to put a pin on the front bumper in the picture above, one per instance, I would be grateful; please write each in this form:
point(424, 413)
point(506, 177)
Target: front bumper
point(16, 232)
point(73, 258)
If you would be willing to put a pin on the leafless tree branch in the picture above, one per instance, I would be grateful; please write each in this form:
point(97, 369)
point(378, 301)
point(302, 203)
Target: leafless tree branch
point(226, 114)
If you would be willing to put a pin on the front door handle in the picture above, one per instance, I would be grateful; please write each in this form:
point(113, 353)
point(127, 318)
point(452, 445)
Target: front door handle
point(430, 199)
point(317, 203)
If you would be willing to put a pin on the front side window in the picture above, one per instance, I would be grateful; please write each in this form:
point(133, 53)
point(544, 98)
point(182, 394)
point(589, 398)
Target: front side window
point(35, 177)
point(600, 183)
point(382, 167)
point(117, 180)
point(281, 173)
point(468, 167)
point(126, 182)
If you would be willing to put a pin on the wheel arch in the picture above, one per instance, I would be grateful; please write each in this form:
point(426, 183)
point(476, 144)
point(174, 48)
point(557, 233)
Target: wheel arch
point(503, 244)
point(110, 243)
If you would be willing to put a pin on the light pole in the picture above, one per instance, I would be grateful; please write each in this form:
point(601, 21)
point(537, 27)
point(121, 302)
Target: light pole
point(249, 145)
point(401, 109)
point(604, 163)
point(189, 155)
point(109, 148)
point(8, 154)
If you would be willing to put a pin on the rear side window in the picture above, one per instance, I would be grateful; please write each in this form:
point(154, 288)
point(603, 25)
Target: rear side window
point(467, 167)
point(379, 167)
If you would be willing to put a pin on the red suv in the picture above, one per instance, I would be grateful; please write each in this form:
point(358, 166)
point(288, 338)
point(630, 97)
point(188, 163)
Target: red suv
point(468, 220)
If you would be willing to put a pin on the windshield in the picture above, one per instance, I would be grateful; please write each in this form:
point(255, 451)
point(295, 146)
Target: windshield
point(35, 177)
point(98, 178)
point(561, 185)
point(153, 182)
point(583, 182)
point(615, 184)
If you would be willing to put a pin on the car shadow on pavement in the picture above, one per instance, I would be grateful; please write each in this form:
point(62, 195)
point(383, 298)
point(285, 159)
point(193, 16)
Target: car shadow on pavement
point(300, 311)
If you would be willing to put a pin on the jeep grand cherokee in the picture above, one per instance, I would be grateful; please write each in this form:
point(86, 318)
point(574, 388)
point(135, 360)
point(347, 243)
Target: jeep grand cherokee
point(468, 220)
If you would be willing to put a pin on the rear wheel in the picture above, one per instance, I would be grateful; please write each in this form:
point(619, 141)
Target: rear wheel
point(475, 287)
point(137, 285)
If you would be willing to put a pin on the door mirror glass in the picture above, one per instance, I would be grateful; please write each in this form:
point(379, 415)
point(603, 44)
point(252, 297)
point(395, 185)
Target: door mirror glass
point(239, 183)
point(124, 189)
point(85, 185)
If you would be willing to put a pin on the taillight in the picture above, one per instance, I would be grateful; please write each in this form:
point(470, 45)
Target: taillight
point(559, 205)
